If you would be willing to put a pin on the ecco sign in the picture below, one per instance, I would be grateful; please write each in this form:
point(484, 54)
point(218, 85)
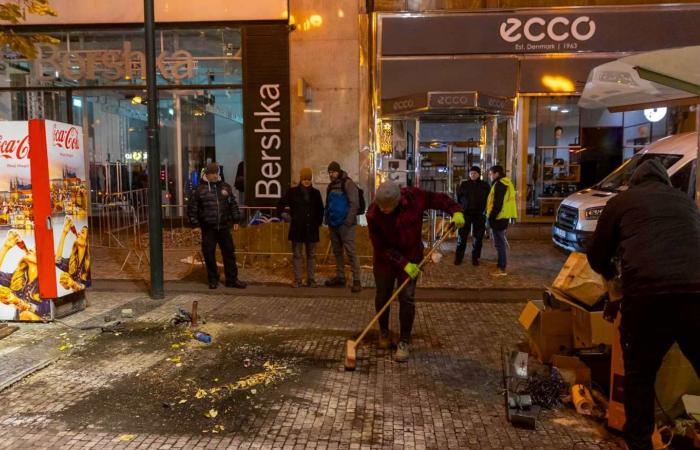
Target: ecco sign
point(557, 29)
point(401, 105)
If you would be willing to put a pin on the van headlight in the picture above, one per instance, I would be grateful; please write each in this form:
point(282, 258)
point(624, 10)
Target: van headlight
point(594, 213)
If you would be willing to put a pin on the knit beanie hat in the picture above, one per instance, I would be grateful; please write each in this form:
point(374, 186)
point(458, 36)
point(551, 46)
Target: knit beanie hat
point(388, 195)
point(334, 167)
point(306, 174)
point(476, 169)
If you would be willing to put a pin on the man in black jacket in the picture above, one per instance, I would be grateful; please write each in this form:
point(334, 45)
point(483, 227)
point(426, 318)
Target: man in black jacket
point(655, 231)
point(213, 207)
point(306, 211)
point(472, 195)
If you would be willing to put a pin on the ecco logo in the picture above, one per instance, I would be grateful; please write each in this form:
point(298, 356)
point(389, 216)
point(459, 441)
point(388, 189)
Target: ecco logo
point(453, 100)
point(557, 29)
point(403, 104)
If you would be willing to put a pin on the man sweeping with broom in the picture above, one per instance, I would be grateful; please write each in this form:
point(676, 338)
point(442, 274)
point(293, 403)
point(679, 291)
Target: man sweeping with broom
point(395, 222)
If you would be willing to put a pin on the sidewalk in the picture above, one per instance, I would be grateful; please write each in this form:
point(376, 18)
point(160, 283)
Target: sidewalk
point(532, 265)
point(272, 378)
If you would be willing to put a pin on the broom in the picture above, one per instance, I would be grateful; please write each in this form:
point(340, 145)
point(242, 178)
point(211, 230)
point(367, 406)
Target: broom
point(350, 345)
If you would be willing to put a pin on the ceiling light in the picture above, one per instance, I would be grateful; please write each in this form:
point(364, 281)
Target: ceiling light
point(564, 111)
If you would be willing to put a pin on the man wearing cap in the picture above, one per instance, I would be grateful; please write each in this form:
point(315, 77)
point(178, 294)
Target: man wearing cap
point(395, 222)
point(306, 212)
point(342, 205)
point(214, 209)
point(472, 195)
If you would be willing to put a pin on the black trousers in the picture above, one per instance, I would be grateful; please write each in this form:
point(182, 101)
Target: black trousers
point(476, 223)
point(386, 283)
point(649, 327)
point(210, 238)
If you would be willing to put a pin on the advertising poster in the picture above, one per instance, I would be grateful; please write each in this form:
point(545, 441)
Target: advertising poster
point(19, 274)
point(68, 195)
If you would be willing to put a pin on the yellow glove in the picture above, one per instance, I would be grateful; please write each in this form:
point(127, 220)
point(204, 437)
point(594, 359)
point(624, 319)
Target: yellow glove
point(412, 270)
point(458, 220)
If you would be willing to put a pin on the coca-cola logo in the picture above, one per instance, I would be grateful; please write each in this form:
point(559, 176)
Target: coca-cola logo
point(14, 148)
point(67, 139)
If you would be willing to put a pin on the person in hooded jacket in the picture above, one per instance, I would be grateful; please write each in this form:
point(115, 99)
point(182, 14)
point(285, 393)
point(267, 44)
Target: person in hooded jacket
point(214, 209)
point(306, 212)
point(472, 195)
point(501, 208)
point(342, 205)
point(654, 231)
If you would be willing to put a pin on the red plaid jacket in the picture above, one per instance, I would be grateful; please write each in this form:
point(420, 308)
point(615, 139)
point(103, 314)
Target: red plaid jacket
point(397, 237)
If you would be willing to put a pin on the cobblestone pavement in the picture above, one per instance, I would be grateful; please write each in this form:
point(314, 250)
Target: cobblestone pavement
point(532, 264)
point(272, 378)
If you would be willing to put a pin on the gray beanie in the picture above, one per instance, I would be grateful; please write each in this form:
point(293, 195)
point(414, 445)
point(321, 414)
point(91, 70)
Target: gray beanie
point(388, 195)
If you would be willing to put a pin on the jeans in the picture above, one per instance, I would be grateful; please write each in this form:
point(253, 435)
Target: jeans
point(298, 259)
point(501, 244)
point(649, 327)
point(343, 238)
point(477, 224)
point(386, 283)
point(210, 238)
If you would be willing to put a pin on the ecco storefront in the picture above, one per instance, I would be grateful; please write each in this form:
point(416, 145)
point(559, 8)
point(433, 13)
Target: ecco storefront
point(223, 81)
point(452, 90)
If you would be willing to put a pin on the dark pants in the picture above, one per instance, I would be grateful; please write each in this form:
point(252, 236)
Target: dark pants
point(650, 325)
point(343, 238)
point(386, 283)
point(476, 223)
point(501, 244)
point(210, 238)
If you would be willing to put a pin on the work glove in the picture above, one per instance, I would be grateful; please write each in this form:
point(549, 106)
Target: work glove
point(458, 220)
point(412, 270)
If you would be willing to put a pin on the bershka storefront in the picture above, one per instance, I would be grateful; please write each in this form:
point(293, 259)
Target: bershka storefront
point(223, 80)
point(503, 86)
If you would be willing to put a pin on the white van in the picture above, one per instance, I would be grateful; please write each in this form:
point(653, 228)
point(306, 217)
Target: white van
point(578, 213)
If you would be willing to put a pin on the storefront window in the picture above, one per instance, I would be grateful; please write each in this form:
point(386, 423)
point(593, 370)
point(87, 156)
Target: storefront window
point(96, 79)
point(553, 156)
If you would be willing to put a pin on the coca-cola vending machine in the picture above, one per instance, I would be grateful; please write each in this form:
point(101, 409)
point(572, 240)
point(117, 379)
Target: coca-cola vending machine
point(44, 251)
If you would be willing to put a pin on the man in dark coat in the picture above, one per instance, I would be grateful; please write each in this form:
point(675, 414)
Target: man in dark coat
point(306, 211)
point(655, 231)
point(395, 221)
point(472, 195)
point(214, 209)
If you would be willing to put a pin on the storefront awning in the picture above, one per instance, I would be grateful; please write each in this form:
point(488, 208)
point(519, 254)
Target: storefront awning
point(667, 77)
point(429, 103)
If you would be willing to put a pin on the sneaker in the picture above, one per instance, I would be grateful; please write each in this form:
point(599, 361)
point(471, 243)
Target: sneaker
point(335, 282)
point(356, 287)
point(458, 262)
point(401, 354)
point(213, 284)
point(384, 342)
point(499, 273)
point(475, 261)
point(296, 284)
point(311, 284)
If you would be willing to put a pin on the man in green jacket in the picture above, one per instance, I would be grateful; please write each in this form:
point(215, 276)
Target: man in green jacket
point(500, 209)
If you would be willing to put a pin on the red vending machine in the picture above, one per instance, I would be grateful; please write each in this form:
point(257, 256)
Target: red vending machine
point(44, 253)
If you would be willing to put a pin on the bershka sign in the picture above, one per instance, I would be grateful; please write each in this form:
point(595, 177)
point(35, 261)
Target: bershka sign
point(266, 114)
point(543, 30)
point(110, 64)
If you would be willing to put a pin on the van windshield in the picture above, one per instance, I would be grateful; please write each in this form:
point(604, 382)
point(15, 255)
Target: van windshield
point(619, 179)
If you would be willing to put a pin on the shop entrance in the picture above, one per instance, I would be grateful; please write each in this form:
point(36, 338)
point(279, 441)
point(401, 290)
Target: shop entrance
point(438, 136)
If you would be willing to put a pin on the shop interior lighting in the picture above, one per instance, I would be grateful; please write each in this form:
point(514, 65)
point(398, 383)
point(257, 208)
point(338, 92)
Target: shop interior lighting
point(312, 111)
point(655, 114)
point(558, 83)
point(77, 102)
point(316, 20)
point(554, 108)
point(341, 14)
point(137, 100)
point(564, 111)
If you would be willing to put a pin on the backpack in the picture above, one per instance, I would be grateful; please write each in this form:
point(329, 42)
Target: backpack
point(362, 206)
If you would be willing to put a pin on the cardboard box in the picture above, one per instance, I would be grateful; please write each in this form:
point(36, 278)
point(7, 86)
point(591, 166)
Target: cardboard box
point(590, 329)
point(577, 280)
point(549, 331)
